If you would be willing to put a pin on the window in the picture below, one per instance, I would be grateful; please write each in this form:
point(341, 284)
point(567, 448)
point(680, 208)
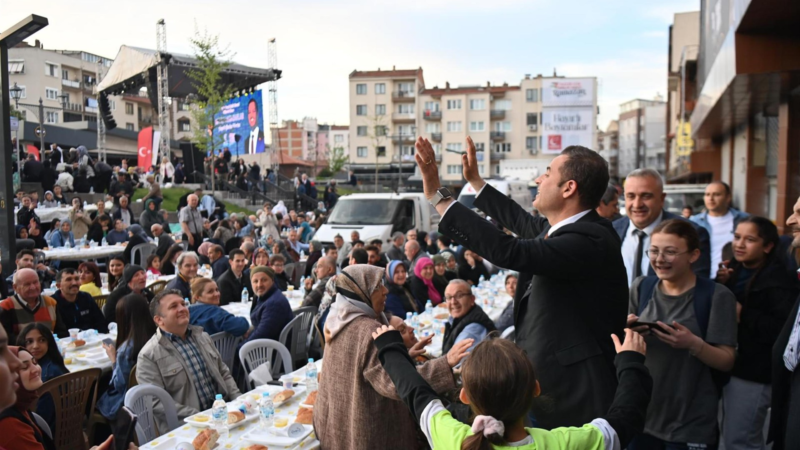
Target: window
point(361, 130)
point(532, 143)
point(407, 150)
point(89, 80)
point(405, 108)
point(16, 67)
point(406, 88)
point(502, 126)
point(481, 169)
point(380, 110)
point(380, 130)
point(52, 117)
point(532, 95)
point(338, 138)
point(454, 104)
point(407, 130)
point(479, 146)
point(454, 126)
point(476, 126)
point(504, 147)
point(433, 127)
point(431, 106)
point(129, 108)
point(497, 169)
point(184, 126)
point(437, 148)
point(111, 104)
point(504, 105)
point(361, 110)
point(453, 169)
point(50, 93)
point(532, 119)
point(51, 70)
point(64, 74)
point(381, 150)
point(454, 146)
point(361, 89)
point(380, 88)
point(361, 152)
point(23, 93)
point(477, 104)
point(129, 126)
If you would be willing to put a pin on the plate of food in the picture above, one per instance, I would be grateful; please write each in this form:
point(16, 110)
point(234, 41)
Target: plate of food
point(238, 414)
point(255, 395)
point(309, 401)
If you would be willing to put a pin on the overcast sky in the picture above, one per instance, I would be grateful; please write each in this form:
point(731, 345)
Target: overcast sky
point(621, 42)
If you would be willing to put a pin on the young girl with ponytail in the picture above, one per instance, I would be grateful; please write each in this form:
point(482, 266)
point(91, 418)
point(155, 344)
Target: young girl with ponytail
point(499, 385)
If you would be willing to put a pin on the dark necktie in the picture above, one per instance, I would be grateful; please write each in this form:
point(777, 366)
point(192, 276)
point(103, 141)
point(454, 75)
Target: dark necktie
point(637, 264)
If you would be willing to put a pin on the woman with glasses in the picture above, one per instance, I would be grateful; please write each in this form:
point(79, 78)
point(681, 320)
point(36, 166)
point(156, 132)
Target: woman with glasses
point(689, 324)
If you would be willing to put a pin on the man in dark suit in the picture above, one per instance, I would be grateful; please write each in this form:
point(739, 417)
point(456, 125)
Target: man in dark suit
point(254, 142)
point(578, 294)
point(32, 170)
point(165, 241)
point(234, 280)
point(644, 204)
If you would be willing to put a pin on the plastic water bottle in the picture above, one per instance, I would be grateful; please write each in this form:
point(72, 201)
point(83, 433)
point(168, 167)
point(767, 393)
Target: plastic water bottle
point(219, 413)
point(245, 296)
point(83, 241)
point(267, 410)
point(311, 375)
point(53, 286)
point(186, 301)
point(91, 189)
point(302, 254)
point(408, 318)
point(104, 243)
point(481, 281)
point(85, 204)
point(67, 245)
point(429, 308)
point(415, 320)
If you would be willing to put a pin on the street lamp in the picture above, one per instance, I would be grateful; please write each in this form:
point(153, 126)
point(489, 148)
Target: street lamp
point(16, 94)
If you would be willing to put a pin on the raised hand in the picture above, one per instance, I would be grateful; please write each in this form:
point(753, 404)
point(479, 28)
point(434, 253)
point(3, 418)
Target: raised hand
point(633, 342)
point(459, 351)
point(469, 162)
point(419, 348)
point(426, 161)
point(380, 330)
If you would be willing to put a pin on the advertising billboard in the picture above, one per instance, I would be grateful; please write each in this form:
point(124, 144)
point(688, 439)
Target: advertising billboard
point(241, 123)
point(562, 127)
point(560, 92)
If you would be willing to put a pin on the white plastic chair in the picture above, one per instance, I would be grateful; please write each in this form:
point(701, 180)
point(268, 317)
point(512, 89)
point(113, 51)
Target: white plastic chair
point(259, 351)
point(141, 400)
point(226, 344)
point(297, 331)
point(141, 252)
point(509, 331)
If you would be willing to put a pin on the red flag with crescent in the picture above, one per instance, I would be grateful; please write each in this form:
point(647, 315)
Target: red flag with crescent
point(145, 147)
point(32, 150)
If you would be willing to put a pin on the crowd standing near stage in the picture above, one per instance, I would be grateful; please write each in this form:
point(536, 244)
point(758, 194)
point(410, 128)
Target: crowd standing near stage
point(575, 327)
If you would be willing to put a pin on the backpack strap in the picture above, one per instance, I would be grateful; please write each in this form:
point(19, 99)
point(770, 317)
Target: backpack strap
point(646, 289)
point(703, 297)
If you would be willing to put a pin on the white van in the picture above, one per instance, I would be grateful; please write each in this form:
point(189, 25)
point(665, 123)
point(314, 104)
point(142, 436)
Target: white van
point(378, 216)
point(516, 190)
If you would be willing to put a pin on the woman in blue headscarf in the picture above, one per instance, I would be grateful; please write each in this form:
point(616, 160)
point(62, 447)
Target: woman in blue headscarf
point(63, 236)
point(399, 300)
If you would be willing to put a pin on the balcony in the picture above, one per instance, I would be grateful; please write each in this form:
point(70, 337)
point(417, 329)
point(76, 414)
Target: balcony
point(74, 84)
point(497, 114)
point(404, 139)
point(404, 117)
point(90, 109)
point(403, 96)
point(438, 157)
point(432, 115)
point(436, 137)
point(73, 107)
point(497, 135)
point(89, 87)
point(497, 156)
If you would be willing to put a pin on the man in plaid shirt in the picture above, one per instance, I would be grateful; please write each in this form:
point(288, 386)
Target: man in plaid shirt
point(182, 360)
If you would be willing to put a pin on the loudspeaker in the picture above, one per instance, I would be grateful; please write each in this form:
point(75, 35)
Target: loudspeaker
point(192, 159)
point(105, 112)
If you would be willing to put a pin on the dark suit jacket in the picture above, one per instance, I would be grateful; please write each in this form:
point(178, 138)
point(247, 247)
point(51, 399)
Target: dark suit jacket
point(260, 138)
point(396, 253)
point(785, 392)
point(230, 289)
point(701, 267)
point(578, 297)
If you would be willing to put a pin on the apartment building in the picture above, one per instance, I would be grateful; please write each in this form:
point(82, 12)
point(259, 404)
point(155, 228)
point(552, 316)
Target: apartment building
point(608, 147)
point(684, 47)
point(642, 126)
point(339, 137)
point(297, 139)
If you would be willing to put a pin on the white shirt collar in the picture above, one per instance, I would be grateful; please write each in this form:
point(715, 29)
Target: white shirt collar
point(567, 221)
point(648, 229)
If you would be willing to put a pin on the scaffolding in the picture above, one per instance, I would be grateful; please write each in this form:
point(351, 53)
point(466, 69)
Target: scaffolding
point(272, 93)
point(101, 125)
point(163, 89)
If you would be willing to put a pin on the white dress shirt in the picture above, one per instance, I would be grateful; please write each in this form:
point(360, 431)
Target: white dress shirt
point(253, 141)
point(631, 242)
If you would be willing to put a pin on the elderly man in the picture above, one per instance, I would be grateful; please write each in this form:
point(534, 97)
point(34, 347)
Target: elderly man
point(233, 281)
point(467, 320)
point(219, 262)
point(644, 203)
point(192, 223)
point(181, 359)
point(411, 235)
point(342, 248)
point(248, 248)
point(396, 252)
point(609, 204)
point(188, 263)
point(29, 306)
point(77, 308)
point(164, 240)
point(719, 220)
point(413, 253)
point(326, 268)
point(26, 260)
point(294, 246)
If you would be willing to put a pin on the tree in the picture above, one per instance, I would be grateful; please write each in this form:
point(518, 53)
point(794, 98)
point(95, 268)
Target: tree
point(18, 114)
point(377, 134)
point(212, 92)
point(338, 159)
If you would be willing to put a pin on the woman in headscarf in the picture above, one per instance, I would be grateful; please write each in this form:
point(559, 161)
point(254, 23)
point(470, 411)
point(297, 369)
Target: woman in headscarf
point(134, 281)
point(280, 249)
point(314, 254)
point(21, 232)
point(355, 389)
point(150, 216)
point(400, 300)
point(49, 201)
point(63, 236)
point(136, 236)
point(202, 253)
point(440, 279)
point(18, 429)
point(85, 162)
point(324, 307)
point(80, 220)
point(421, 284)
point(268, 221)
point(280, 208)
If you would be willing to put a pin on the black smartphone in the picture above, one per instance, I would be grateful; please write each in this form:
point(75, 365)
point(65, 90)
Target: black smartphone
point(651, 325)
point(108, 341)
point(124, 428)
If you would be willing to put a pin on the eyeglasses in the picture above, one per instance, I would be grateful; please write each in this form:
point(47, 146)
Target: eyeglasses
point(458, 296)
point(669, 255)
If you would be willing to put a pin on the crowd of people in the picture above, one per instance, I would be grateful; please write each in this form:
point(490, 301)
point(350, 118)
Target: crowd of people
point(647, 330)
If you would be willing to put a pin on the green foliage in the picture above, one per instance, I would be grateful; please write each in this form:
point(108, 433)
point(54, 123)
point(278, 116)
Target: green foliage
point(325, 173)
point(338, 159)
point(173, 195)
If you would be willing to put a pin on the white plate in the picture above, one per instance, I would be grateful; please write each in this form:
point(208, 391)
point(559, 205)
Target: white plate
point(264, 437)
point(191, 419)
point(88, 344)
point(166, 444)
point(273, 391)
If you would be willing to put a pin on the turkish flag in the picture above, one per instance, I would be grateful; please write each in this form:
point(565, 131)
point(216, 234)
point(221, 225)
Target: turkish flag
point(554, 142)
point(145, 147)
point(32, 150)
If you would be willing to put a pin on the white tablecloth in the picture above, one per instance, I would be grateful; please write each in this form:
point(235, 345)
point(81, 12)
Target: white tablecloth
point(79, 253)
point(240, 309)
point(90, 356)
point(48, 214)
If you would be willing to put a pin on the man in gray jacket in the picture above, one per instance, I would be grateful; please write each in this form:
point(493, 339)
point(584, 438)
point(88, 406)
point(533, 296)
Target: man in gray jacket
point(182, 360)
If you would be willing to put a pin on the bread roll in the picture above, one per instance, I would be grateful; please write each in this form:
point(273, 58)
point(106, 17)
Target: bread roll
point(206, 439)
point(305, 416)
point(283, 396)
point(235, 416)
point(311, 399)
point(77, 343)
point(257, 447)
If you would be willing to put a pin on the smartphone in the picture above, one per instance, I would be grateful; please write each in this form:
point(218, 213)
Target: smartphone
point(108, 342)
point(455, 151)
point(124, 428)
point(651, 325)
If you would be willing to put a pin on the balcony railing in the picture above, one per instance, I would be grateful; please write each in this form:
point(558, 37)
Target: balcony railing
point(403, 117)
point(73, 107)
point(497, 156)
point(432, 115)
point(436, 137)
point(496, 114)
point(497, 135)
point(404, 138)
point(75, 84)
point(90, 109)
point(438, 157)
point(403, 96)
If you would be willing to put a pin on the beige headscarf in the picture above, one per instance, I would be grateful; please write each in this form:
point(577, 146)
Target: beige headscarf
point(354, 287)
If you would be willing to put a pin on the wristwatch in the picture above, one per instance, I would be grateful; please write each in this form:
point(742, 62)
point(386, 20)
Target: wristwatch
point(441, 194)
